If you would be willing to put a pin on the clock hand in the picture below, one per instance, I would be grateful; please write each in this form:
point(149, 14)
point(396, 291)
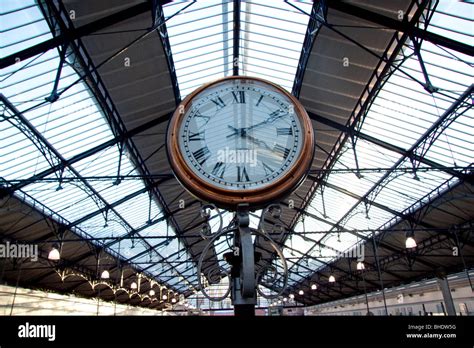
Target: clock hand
point(236, 131)
point(258, 142)
point(241, 131)
point(270, 119)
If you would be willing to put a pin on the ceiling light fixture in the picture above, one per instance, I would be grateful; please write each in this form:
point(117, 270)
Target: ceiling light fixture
point(314, 287)
point(410, 242)
point(360, 266)
point(54, 254)
point(332, 279)
point(105, 275)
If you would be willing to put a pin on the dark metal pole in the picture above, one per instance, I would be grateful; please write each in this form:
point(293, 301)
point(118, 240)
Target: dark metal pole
point(379, 273)
point(448, 307)
point(365, 292)
point(243, 267)
point(458, 245)
point(235, 61)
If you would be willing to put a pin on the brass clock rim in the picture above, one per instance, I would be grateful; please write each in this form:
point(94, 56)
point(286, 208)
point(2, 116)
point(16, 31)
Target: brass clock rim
point(226, 198)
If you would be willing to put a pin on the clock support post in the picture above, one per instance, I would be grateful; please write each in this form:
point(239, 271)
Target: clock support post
point(243, 285)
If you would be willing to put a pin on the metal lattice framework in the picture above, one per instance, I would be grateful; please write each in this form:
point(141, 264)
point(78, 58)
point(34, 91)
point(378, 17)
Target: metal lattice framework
point(87, 90)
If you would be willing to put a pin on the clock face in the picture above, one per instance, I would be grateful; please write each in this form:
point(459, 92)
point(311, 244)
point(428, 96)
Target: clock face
point(240, 134)
point(240, 140)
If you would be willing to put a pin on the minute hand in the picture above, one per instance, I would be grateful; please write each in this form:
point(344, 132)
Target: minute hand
point(273, 117)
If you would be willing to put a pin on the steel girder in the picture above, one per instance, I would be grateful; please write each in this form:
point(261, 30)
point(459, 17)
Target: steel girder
point(406, 153)
point(319, 10)
point(61, 166)
point(236, 39)
point(159, 21)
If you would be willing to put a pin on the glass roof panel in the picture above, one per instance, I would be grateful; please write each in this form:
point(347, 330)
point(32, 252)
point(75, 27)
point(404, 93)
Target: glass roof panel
point(336, 204)
point(266, 33)
point(15, 6)
point(453, 20)
point(135, 210)
point(98, 227)
point(201, 41)
point(402, 190)
point(375, 159)
point(79, 202)
point(19, 157)
point(455, 145)
point(312, 224)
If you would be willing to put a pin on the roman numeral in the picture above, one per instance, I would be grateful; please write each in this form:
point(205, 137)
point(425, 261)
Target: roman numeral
point(268, 170)
point(219, 102)
point(242, 174)
point(285, 131)
point(276, 114)
point(239, 97)
point(282, 150)
point(204, 117)
point(202, 155)
point(196, 136)
point(219, 169)
point(259, 100)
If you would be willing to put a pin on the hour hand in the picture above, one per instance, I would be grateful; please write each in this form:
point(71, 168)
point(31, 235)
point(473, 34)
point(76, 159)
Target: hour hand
point(241, 131)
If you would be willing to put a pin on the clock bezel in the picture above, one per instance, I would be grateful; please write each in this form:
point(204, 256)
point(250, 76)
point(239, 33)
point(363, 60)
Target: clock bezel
point(254, 197)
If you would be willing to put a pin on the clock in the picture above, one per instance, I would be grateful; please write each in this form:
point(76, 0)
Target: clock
point(240, 140)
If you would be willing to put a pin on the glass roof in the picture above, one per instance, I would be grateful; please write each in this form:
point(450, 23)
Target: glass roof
point(201, 39)
point(201, 36)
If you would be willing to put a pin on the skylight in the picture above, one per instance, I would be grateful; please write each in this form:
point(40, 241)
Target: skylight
point(201, 38)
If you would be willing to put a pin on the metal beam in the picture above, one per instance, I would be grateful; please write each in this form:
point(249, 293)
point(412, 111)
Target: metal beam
point(338, 226)
point(319, 10)
point(406, 153)
point(159, 19)
point(74, 34)
point(60, 166)
point(401, 26)
point(236, 43)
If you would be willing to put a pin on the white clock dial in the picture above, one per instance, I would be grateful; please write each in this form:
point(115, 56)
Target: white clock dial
point(240, 135)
